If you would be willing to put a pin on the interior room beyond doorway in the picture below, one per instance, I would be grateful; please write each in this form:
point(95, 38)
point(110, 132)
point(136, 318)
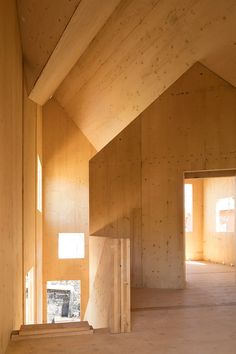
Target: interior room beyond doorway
point(210, 220)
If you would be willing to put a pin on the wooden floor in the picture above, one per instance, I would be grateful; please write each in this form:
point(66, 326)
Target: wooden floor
point(207, 284)
point(198, 320)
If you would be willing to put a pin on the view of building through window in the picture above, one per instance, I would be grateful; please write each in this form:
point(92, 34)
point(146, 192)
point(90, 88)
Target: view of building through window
point(188, 205)
point(63, 301)
point(225, 215)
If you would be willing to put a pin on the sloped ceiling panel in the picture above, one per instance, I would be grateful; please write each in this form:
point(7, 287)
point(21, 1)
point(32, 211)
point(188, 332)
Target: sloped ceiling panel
point(144, 47)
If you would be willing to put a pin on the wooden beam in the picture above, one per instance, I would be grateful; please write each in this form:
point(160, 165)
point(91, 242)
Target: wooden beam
point(86, 22)
point(209, 174)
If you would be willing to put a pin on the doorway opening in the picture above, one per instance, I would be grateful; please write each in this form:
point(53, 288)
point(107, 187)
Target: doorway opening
point(63, 301)
point(210, 228)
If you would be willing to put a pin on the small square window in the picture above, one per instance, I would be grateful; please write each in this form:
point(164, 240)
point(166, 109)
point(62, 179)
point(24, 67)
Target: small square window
point(225, 215)
point(70, 245)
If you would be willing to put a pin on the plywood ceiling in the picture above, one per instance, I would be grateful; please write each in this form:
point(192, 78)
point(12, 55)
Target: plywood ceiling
point(142, 49)
point(42, 23)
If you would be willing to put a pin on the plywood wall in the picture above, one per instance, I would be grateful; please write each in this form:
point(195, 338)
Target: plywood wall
point(11, 173)
point(30, 192)
point(66, 153)
point(32, 245)
point(116, 209)
point(194, 239)
point(218, 246)
point(109, 299)
point(192, 126)
point(100, 282)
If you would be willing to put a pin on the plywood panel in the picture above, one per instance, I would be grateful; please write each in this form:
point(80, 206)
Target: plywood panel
point(11, 173)
point(66, 153)
point(115, 190)
point(100, 282)
point(109, 300)
point(144, 47)
point(191, 127)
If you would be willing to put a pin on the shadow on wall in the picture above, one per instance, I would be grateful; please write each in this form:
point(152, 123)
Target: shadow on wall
point(127, 227)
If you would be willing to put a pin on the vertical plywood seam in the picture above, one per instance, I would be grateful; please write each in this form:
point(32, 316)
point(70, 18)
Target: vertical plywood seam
point(141, 198)
point(23, 201)
point(35, 216)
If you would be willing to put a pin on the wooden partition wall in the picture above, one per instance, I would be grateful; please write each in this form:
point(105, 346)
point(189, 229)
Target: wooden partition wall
point(109, 300)
point(136, 181)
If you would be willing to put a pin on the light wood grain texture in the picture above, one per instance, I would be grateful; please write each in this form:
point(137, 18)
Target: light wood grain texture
point(116, 290)
point(60, 334)
point(40, 329)
point(11, 301)
point(191, 127)
point(99, 311)
point(88, 19)
point(115, 194)
point(109, 300)
point(66, 152)
point(125, 286)
point(142, 50)
point(41, 25)
point(169, 328)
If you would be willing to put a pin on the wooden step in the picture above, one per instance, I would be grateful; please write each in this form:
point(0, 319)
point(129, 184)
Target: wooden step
point(52, 330)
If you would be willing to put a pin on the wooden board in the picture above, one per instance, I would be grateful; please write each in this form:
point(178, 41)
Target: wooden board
point(15, 337)
point(109, 301)
point(41, 26)
point(76, 37)
point(44, 328)
point(125, 311)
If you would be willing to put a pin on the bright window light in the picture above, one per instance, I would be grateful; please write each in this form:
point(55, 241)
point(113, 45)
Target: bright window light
point(225, 215)
point(39, 185)
point(188, 205)
point(70, 245)
point(197, 263)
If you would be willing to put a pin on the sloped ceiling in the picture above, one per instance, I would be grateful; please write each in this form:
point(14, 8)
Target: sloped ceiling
point(42, 23)
point(143, 48)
